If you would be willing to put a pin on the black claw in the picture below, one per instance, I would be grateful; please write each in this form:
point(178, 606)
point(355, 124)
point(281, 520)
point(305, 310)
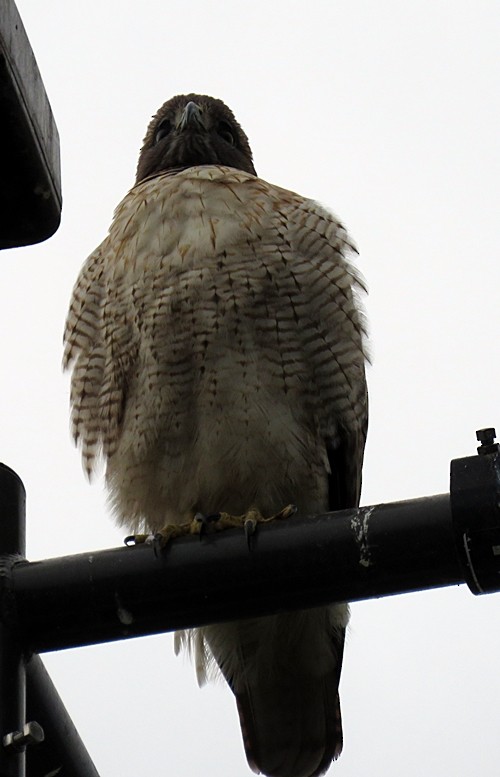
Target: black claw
point(158, 544)
point(250, 528)
point(129, 541)
point(206, 520)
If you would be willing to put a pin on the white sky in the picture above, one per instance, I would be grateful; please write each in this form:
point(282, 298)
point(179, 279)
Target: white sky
point(387, 112)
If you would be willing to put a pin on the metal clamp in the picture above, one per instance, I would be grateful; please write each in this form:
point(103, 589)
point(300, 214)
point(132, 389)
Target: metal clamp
point(475, 505)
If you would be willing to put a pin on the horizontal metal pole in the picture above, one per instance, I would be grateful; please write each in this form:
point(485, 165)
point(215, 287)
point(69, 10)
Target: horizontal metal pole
point(293, 563)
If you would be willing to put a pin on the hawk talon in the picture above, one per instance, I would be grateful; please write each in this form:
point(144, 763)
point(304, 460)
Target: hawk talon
point(158, 541)
point(135, 539)
point(250, 526)
point(204, 522)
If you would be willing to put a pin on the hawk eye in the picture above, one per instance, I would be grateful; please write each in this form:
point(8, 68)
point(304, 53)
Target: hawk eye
point(225, 131)
point(164, 128)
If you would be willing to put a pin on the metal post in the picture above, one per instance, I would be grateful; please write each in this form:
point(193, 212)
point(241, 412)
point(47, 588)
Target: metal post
point(12, 671)
point(62, 752)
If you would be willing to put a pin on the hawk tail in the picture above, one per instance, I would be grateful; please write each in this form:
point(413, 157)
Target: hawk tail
point(297, 737)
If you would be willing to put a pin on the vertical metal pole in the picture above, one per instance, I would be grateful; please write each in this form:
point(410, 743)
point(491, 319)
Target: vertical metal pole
point(12, 669)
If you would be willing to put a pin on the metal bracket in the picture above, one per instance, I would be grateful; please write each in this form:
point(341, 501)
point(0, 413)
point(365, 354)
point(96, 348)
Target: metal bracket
point(475, 506)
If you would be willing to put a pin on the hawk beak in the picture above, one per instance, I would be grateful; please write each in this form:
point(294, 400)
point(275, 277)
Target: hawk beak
point(191, 118)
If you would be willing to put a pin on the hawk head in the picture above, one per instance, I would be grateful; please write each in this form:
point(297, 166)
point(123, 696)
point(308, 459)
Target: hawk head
point(193, 129)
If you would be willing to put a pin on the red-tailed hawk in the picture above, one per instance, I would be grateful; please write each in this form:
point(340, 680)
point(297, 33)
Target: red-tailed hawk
point(218, 365)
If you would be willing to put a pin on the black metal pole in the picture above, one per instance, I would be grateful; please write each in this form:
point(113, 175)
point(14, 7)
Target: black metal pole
point(12, 671)
point(295, 563)
point(62, 752)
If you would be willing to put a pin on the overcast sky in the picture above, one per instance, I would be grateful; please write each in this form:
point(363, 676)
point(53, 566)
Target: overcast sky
point(387, 112)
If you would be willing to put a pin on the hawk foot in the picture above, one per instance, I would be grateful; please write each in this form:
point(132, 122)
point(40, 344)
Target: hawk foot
point(169, 532)
point(214, 522)
point(250, 520)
